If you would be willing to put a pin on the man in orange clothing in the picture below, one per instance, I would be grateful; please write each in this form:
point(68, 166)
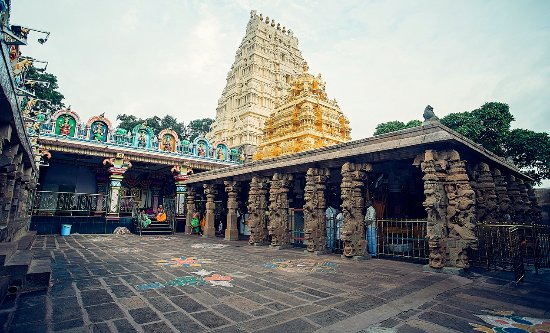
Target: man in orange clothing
point(161, 215)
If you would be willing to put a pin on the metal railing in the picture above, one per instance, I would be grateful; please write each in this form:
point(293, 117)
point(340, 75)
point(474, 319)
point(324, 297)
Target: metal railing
point(402, 238)
point(68, 203)
point(296, 226)
point(502, 246)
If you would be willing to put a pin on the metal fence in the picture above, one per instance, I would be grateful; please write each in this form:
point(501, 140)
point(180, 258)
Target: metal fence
point(68, 203)
point(296, 219)
point(169, 205)
point(508, 246)
point(402, 238)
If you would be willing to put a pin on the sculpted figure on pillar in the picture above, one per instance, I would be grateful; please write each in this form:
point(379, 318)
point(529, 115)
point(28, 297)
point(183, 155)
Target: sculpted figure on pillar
point(486, 197)
point(460, 211)
point(504, 202)
point(535, 211)
point(353, 202)
point(278, 210)
point(525, 202)
point(516, 202)
point(450, 208)
point(315, 232)
point(435, 204)
point(257, 208)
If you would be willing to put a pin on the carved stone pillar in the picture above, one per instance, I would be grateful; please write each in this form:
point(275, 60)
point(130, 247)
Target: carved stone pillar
point(353, 203)
point(535, 211)
point(232, 231)
point(10, 177)
point(435, 204)
point(119, 165)
point(210, 192)
point(526, 203)
point(460, 211)
point(504, 213)
point(278, 225)
point(257, 209)
point(17, 185)
point(315, 230)
point(190, 198)
point(516, 202)
point(181, 173)
point(449, 204)
point(486, 197)
point(23, 208)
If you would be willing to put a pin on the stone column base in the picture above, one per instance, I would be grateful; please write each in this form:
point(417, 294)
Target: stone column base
point(231, 235)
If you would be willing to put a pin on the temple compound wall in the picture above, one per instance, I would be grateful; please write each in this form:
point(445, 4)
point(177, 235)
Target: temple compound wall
point(18, 168)
point(428, 173)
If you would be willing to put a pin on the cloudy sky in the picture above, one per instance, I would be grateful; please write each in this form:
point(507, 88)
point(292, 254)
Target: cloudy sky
point(382, 60)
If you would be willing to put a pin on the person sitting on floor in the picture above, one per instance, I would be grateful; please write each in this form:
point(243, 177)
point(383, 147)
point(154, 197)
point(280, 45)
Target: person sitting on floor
point(161, 215)
point(145, 220)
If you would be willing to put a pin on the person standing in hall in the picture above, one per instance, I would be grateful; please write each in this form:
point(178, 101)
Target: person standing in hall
point(370, 222)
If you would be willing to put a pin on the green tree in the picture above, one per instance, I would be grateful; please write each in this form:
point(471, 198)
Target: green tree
point(488, 125)
point(45, 91)
point(530, 151)
point(199, 127)
point(396, 125)
point(191, 131)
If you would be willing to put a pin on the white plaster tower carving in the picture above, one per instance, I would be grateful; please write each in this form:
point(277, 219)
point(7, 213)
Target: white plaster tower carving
point(257, 82)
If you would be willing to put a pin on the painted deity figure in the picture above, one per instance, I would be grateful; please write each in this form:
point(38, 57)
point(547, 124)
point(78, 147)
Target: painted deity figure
point(99, 131)
point(167, 143)
point(221, 155)
point(65, 129)
point(201, 150)
point(142, 141)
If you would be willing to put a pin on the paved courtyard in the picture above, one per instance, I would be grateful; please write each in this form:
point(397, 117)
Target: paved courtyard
point(107, 283)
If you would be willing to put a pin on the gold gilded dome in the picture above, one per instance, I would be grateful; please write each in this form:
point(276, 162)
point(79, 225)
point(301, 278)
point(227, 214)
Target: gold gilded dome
point(305, 120)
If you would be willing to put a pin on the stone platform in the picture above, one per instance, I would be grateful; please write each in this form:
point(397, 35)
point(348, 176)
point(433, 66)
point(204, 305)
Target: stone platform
point(107, 283)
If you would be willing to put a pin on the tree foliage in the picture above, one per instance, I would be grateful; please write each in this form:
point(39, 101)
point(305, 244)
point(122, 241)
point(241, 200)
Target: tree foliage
point(530, 151)
point(46, 92)
point(396, 125)
point(490, 126)
point(190, 131)
point(199, 127)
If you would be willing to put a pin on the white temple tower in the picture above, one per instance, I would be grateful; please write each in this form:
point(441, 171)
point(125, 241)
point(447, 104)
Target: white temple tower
point(258, 81)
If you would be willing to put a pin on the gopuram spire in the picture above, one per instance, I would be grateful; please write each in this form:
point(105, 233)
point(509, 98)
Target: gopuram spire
point(257, 82)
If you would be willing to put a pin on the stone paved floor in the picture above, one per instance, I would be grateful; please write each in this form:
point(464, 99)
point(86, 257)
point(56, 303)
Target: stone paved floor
point(132, 284)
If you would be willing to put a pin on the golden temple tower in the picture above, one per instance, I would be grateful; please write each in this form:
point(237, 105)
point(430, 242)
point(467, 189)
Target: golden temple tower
point(305, 120)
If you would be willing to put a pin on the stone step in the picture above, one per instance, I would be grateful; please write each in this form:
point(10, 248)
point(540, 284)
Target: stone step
point(16, 268)
point(156, 232)
point(6, 251)
point(26, 241)
point(38, 274)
